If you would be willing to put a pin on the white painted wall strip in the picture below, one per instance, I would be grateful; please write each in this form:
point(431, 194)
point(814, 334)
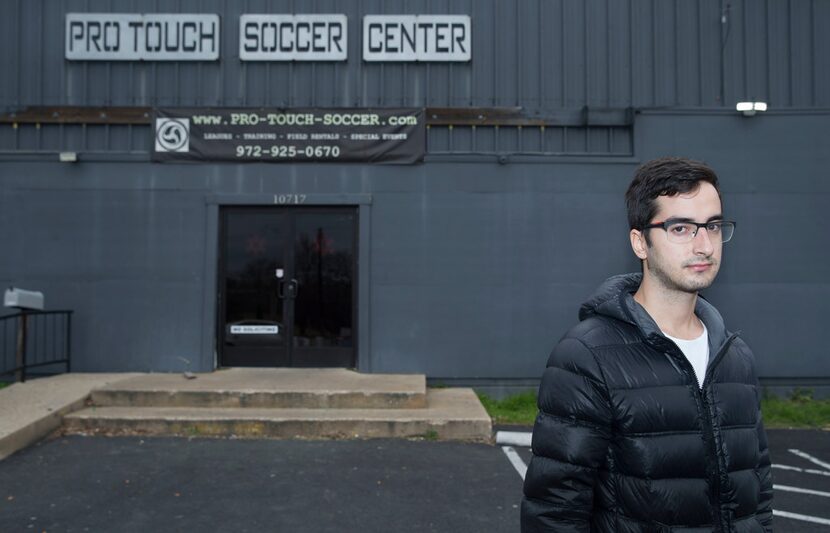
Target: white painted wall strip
point(514, 438)
point(515, 460)
point(805, 470)
point(787, 488)
point(810, 458)
point(804, 517)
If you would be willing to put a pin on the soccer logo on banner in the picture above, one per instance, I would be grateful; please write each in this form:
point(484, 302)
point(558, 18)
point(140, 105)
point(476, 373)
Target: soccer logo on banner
point(172, 134)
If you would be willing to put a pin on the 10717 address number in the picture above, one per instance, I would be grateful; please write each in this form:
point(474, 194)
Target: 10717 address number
point(287, 151)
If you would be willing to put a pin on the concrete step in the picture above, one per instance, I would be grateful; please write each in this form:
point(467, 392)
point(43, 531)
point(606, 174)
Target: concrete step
point(449, 414)
point(31, 410)
point(269, 388)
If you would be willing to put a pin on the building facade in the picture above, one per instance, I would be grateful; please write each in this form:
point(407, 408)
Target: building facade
point(466, 263)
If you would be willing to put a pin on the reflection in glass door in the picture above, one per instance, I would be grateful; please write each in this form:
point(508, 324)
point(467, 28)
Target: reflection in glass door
point(323, 311)
point(253, 317)
point(286, 287)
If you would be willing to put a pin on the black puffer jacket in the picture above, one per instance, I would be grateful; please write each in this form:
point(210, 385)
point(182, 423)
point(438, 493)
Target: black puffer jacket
point(627, 441)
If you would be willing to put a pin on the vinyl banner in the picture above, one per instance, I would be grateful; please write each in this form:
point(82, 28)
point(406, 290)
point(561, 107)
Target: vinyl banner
point(289, 135)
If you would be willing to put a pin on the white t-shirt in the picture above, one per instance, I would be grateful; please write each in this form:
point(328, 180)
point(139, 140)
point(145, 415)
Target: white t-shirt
point(696, 351)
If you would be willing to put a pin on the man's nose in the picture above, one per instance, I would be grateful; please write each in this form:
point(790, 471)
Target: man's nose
point(702, 242)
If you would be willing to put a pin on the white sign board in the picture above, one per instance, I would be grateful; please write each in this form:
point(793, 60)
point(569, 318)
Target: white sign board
point(135, 37)
point(293, 37)
point(416, 38)
point(254, 330)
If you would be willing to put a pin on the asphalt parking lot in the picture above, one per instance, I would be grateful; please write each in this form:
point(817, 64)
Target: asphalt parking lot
point(130, 484)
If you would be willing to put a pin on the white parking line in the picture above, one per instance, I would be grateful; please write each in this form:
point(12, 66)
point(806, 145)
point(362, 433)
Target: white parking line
point(514, 438)
point(804, 517)
point(805, 470)
point(810, 458)
point(515, 460)
point(787, 488)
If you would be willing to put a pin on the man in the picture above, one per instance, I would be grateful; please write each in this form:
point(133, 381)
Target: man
point(649, 408)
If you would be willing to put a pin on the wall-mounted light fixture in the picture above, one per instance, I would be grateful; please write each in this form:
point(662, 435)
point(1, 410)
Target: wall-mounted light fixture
point(68, 157)
point(750, 108)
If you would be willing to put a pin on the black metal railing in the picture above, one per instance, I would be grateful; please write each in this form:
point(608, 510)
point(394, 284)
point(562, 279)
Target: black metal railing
point(35, 339)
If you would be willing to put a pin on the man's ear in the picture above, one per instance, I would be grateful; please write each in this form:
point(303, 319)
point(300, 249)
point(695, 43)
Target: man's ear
point(638, 243)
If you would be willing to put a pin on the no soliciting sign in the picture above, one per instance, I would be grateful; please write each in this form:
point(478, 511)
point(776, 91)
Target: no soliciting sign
point(290, 135)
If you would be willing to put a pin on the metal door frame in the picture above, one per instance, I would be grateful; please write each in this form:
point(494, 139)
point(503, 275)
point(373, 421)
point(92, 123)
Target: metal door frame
point(209, 352)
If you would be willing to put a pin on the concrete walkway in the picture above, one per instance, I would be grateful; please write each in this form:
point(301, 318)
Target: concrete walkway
point(276, 403)
point(29, 411)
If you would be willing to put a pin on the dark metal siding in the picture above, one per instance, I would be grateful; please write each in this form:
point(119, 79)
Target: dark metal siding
point(125, 140)
point(538, 54)
point(477, 268)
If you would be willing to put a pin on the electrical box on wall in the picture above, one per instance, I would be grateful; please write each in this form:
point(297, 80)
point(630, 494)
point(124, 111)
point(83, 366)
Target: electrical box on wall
point(23, 299)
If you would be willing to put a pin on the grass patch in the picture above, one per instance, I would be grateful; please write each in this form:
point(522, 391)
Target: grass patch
point(800, 410)
point(4, 384)
point(517, 409)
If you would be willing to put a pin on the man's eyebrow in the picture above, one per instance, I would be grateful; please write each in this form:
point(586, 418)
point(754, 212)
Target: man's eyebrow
point(719, 216)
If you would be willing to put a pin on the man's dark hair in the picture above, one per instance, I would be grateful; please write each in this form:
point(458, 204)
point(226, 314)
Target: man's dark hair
point(664, 176)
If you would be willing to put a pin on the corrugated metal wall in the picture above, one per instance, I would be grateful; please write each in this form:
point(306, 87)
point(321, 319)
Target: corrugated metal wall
point(123, 139)
point(538, 54)
point(476, 267)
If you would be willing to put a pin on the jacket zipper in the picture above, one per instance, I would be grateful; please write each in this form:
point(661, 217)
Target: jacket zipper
point(706, 378)
point(720, 354)
point(703, 407)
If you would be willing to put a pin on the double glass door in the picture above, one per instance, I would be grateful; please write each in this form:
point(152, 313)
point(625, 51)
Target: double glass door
point(287, 290)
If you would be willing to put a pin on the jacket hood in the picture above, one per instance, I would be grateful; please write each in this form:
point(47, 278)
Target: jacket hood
point(615, 299)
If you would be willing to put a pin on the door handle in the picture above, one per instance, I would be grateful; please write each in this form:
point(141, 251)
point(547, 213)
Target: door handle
point(293, 289)
point(279, 273)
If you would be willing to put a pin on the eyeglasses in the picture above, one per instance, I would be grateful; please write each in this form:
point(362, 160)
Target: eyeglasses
point(682, 231)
